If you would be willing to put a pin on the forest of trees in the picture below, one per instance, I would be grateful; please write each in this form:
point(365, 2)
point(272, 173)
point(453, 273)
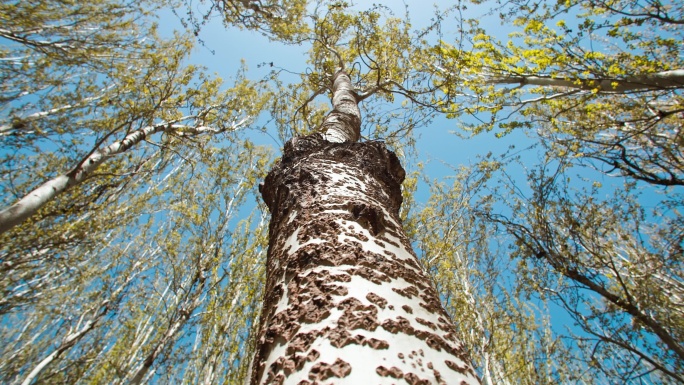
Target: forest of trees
point(133, 235)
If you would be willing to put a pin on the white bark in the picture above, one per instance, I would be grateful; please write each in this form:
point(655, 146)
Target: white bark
point(34, 200)
point(655, 81)
point(345, 296)
point(346, 299)
point(180, 316)
point(8, 129)
point(145, 366)
point(343, 123)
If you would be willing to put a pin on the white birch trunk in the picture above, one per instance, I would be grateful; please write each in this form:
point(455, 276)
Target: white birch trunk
point(343, 123)
point(181, 315)
point(655, 81)
point(34, 200)
point(346, 300)
point(74, 337)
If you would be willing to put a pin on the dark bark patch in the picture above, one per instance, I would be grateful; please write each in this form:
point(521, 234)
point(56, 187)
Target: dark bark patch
point(456, 367)
point(376, 343)
point(393, 372)
point(427, 323)
point(341, 278)
point(444, 325)
point(371, 275)
point(357, 315)
point(407, 292)
point(385, 239)
point(313, 313)
point(301, 343)
point(322, 371)
point(362, 321)
point(438, 376)
point(370, 218)
point(340, 338)
point(377, 300)
point(278, 380)
point(432, 340)
point(400, 325)
point(413, 379)
point(313, 355)
point(292, 363)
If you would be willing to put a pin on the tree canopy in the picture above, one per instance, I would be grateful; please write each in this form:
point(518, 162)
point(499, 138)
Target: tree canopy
point(598, 86)
point(132, 242)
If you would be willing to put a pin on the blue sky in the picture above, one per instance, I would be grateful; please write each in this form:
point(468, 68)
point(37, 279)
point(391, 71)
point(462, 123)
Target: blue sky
point(225, 48)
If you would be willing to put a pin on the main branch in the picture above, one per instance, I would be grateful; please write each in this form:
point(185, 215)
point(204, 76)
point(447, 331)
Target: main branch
point(343, 123)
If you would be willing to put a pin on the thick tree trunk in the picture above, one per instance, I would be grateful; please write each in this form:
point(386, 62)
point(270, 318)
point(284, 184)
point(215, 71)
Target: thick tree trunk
point(346, 300)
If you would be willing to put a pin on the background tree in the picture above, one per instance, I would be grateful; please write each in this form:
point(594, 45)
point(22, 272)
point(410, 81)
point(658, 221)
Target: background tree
point(509, 336)
point(184, 259)
point(152, 173)
point(598, 84)
point(611, 267)
point(283, 20)
point(109, 107)
point(600, 80)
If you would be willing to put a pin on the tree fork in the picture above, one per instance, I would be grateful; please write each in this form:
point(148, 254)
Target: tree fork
point(346, 300)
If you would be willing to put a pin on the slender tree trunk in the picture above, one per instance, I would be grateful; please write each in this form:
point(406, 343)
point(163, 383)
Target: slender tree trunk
point(27, 206)
point(653, 81)
point(346, 300)
point(73, 338)
point(180, 317)
point(34, 200)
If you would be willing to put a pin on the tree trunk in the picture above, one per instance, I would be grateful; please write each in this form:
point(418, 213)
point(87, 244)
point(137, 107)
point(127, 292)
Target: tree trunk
point(346, 299)
point(41, 195)
point(649, 82)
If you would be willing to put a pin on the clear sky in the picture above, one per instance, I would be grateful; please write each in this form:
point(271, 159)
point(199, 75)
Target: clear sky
point(224, 49)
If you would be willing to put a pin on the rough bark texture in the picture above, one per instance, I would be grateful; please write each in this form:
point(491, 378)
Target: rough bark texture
point(346, 300)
